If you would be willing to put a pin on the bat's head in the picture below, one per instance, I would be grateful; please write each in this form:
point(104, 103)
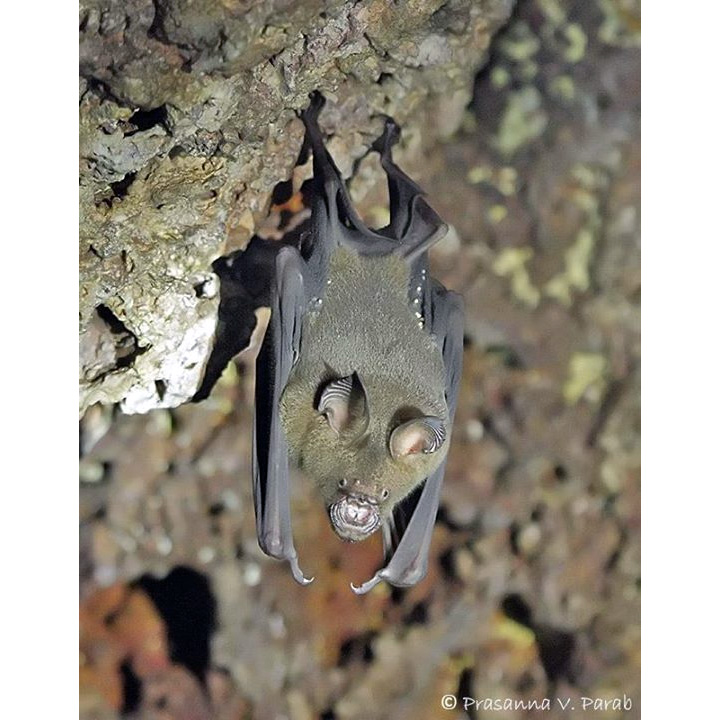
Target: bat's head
point(363, 466)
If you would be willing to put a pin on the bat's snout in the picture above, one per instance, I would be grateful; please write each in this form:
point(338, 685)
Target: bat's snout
point(354, 517)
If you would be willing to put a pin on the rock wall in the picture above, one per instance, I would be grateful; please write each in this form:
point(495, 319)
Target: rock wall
point(187, 122)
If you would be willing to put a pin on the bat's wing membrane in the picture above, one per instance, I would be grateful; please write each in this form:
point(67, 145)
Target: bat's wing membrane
point(280, 348)
point(407, 535)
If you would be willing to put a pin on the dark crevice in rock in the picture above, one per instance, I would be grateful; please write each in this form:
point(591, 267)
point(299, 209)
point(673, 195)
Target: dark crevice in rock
point(515, 607)
point(556, 647)
point(132, 689)
point(101, 89)
point(186, 603)
point(357, 648)
point(156, 31)
point(120, 187)
point(466, 685)
point(146, 119)
point(514, 533)
point(126, 344)
point(418, 615)
point(161, 389)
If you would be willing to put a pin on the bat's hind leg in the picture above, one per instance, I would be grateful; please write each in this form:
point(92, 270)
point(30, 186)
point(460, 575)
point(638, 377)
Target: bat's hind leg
point(335, 220)
point(413, 223)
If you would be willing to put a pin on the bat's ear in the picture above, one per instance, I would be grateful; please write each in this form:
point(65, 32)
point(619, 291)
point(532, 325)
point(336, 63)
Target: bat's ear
point(344, 404)
point(423, 435)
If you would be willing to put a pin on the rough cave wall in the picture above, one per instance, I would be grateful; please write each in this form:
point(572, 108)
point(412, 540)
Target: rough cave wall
point(188, 120)
point(534, 586)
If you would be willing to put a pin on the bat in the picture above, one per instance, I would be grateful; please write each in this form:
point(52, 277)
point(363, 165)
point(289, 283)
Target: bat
point(357, 376)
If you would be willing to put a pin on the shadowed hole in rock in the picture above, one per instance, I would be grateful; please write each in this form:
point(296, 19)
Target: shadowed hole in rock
point(556, 647)
point(120, 187)
point(465, 689)
point(131, 688)
point(160, 388)
point(556, 652)
point(146, 119)
point(447, 564)
point(525, 683)
point(127, 347)
point(357, 648)
point(513, 538)
point(418, 615)
point(185, 601)
point(517, 609)
point(397, 595)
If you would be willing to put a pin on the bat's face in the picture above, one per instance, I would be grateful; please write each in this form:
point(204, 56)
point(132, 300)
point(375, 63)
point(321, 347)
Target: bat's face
point(363, 463)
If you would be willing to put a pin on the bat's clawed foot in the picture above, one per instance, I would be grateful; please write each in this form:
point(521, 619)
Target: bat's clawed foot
point(311, 113)
point(366, 586)
point(389, 137)
point(298, 573)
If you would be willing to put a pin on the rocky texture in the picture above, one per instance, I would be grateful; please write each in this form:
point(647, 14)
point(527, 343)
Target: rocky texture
point(534, 581)
point(188, 120)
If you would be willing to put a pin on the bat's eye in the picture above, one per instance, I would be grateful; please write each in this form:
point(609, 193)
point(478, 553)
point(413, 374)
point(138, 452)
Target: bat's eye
point(385, 494)
point(342, 483)
point(424, 435)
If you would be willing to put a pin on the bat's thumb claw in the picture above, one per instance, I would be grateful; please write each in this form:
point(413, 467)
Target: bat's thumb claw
point(366, 586)
point(298, 573)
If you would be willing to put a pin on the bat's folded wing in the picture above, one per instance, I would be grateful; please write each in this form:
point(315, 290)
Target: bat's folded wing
point(280, 348)
point(407, 535)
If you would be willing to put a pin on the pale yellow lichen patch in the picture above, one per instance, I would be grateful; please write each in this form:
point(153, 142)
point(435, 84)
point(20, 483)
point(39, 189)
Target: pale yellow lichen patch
point(479, 174)
point(563, 87)
point(500, 77)
point(586, 378)
point(497, 213)
point(521, 45)
point(524, 120)
point(511, 263)
point(553, 11)
point(517, 635)
point(621, 23)
point(577, 269)
point(528, 70)
point(507, 180)
point(577, 43)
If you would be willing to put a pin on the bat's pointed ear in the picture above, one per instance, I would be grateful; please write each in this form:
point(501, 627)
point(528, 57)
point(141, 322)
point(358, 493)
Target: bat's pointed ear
point(344, 403)
point(423, 435)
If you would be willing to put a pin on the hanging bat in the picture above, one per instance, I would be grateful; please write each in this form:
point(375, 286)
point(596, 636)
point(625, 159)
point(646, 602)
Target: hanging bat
point(358, 373)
